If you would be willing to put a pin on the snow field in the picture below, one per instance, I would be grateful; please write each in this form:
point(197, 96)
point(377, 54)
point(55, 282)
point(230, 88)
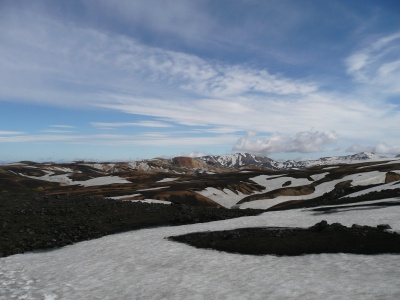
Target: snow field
point(317, 177)
point(102, 181)
point(388, 186)
point(63, 178)
point(143, 265)
point(359, 179)
point(225, 198)
point(272, 182)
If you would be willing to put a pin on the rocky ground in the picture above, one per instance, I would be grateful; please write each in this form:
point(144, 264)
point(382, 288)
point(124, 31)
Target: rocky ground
point(31, 222)
point(34, 221)
point(320, 238)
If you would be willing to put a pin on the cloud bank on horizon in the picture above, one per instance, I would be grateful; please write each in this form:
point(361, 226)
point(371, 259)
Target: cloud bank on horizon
point(136, 79)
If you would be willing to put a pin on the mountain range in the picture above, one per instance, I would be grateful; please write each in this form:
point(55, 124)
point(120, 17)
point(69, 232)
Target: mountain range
point(240, 160)
point(238, 180)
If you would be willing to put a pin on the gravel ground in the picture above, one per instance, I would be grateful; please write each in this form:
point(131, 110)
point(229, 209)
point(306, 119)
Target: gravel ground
point(31, 222)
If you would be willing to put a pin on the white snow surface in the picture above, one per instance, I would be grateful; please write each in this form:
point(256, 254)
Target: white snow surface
point(359, 179)
point(225, 198)
point(63, 178)
point(124, 196)
point(143, 264)
point(367, 178)
point(102, 181)
point(319, 176)
point(167, 179)
point(388, 186)
point(391, 162)
point(152, 201)
point(153, 189)
point(272, 183)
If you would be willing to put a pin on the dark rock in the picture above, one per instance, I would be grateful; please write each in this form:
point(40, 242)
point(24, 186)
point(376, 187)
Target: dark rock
point(320, 226)
point(55, 221)
point(320, 238)
point(383, 226)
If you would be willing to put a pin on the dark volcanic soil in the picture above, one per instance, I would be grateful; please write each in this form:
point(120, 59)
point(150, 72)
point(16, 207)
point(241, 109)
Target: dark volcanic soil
point(34, 221)
point(320, 238)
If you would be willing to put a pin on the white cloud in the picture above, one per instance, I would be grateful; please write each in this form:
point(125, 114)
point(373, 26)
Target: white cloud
point(70, 65)
point(62, 126)
point(45, 60)
point(196, 154)
point(384, 148)
point(144, 139)
point(56, 131)
point(111, 125)
point(378, 63)
point(3, 132)
point(380, 148)
point(303, 142)
point(355, 148)
point(351, 119)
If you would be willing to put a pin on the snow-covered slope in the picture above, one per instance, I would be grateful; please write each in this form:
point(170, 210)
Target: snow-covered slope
point(239, 160)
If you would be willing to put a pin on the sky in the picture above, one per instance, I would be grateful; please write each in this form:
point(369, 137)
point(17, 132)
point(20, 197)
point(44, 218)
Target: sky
point(126, 80)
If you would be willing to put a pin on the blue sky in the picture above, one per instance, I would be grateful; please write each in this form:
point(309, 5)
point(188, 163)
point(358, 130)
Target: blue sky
point(124, 80)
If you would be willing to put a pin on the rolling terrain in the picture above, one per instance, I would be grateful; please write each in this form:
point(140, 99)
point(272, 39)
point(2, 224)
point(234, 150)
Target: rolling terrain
point(85, 229)
point(230, 181)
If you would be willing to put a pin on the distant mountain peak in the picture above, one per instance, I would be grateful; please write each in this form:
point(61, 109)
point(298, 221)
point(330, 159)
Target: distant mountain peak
point(239, 160)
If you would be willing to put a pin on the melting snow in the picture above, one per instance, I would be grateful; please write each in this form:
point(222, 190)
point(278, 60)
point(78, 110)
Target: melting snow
point(272, 182)
point(142, 264)
point(153, 189)
point(367, 178)
point(152, 201)
point(358, 179)
point(102, 181)
point(317, 177)
point(63, 178)
point(387, 186)
point(225, 198)
point(167, 179)
point(124, 196)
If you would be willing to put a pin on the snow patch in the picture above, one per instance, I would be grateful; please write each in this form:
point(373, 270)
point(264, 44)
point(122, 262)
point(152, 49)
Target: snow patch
point(105, 180)
point(124, 197)
point(167, 179)
point(153, 189)
point(225, 198)
point(152, 201)
point(317, 177)
point(389, 186)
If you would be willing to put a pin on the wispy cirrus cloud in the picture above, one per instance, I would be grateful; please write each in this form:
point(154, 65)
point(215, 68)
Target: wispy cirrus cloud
point(4, 132)
point(62, 126)
point(378, 63)
point(72, 63)
point(112, 125)
point(143, 139)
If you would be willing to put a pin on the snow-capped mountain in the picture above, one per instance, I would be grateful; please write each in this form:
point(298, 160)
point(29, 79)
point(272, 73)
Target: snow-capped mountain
point(239, 160)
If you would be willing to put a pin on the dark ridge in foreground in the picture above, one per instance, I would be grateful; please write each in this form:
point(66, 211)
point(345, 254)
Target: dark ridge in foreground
point(31, 222)
point(320, 238)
